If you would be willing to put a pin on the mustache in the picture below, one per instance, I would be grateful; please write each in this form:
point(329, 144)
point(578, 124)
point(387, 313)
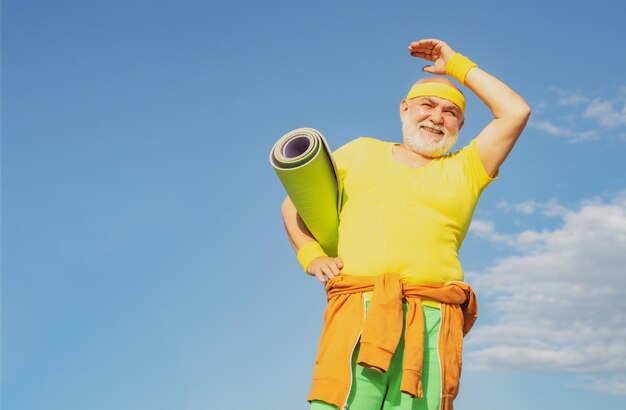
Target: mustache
point(429, 124)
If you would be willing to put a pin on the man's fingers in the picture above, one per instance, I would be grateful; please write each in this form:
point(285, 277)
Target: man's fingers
point(429, 69)
point(320, 276)
point(328, 271)
point(424, 56)
point(332, 264)
point(427, 42)
point(422, 43)
point(426, 50)
point(339, 263)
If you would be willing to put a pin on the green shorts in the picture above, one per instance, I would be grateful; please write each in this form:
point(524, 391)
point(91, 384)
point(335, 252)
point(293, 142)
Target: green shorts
point(372, 390)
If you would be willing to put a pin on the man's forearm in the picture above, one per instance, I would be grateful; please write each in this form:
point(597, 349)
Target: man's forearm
point(297, 231)
point(310, 254)
point(500, 98)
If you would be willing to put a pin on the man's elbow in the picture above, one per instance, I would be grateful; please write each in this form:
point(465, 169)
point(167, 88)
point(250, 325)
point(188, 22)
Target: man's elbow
point(521, 111)
point(519, 115)
point(524, 112)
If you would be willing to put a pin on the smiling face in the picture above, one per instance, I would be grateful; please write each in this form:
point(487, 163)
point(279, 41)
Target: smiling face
point(430, 125)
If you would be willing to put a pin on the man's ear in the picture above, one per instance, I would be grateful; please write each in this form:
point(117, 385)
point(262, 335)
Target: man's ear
point(404, 107)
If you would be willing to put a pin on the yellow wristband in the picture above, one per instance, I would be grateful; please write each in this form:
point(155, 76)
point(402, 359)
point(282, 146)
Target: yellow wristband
point(458, 66)
point(308, 253)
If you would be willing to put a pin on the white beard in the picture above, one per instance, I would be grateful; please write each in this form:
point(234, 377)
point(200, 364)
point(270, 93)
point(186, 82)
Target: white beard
point(427, 145)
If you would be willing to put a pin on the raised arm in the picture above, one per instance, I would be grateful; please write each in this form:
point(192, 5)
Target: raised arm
point(509, 110)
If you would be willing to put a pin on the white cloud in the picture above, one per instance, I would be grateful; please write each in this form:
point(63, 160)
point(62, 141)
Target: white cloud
point(569, 97)
point(562, 131)
point(606, 114)
point(553, 208)
point(560, 303)
point(612, 384)
point(526, 207)
point(502, 204)
point(572, 99)
point(550, 208)
point(483, 229)
point(590, 135)
point(550, 128)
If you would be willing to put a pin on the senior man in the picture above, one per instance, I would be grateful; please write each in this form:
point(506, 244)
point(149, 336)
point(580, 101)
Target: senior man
point(397, 304)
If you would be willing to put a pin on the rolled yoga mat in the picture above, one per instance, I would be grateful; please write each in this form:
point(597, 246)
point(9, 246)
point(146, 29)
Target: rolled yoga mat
point(304, 164)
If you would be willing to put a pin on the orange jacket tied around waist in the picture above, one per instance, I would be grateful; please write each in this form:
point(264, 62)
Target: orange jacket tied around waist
point(381, 329)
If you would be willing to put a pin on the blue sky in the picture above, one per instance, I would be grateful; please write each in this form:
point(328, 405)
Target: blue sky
point(144, 260)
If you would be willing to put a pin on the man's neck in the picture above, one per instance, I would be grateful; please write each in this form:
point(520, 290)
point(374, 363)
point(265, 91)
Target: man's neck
point(408, 157)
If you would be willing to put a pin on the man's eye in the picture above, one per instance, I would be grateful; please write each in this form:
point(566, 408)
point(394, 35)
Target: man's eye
point(426, 105)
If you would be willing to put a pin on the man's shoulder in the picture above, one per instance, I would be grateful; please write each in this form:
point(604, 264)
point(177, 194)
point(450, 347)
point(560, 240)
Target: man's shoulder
point(368, 142)
point(362, 143)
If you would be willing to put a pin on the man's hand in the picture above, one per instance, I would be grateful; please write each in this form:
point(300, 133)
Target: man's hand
point(325, 268)
point(510, 111)
point(432, 50)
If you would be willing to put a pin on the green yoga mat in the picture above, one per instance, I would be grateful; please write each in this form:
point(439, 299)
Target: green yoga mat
point(304, 163)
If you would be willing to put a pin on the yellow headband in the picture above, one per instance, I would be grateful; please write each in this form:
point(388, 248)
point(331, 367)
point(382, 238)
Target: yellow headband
point(438, 90)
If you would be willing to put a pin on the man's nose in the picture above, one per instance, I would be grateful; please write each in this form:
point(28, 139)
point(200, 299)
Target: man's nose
point(436, 116)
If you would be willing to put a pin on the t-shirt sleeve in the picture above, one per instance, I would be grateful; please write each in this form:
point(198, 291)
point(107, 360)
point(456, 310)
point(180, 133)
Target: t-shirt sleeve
point(474, 167)
point(343, 157)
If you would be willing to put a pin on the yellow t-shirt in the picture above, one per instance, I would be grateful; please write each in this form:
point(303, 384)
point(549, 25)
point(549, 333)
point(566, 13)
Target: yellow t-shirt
point(395, 218)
